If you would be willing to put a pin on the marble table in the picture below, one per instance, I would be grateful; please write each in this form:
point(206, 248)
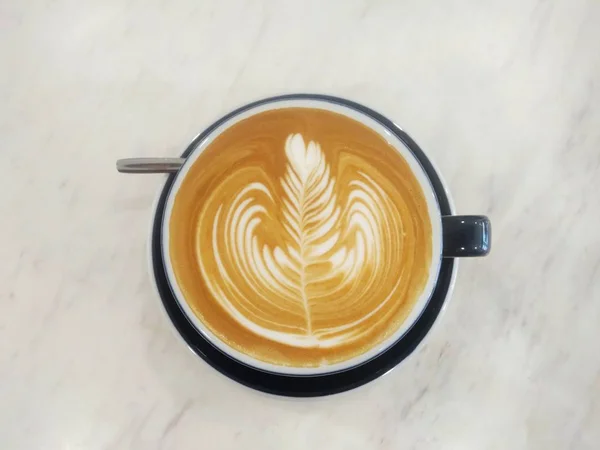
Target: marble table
point(505, 97)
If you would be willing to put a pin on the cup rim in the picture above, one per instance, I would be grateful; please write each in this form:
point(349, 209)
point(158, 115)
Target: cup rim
point(442, 288)
point(418, 172)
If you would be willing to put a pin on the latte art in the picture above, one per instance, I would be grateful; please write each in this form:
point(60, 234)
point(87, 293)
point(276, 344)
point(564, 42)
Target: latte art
point(331, 270)
point(295, 246)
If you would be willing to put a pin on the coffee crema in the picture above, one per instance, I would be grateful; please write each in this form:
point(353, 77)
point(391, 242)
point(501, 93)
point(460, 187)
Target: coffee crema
point(300, 237)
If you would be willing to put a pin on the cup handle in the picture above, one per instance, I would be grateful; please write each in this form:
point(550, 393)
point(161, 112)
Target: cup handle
point(466, 236)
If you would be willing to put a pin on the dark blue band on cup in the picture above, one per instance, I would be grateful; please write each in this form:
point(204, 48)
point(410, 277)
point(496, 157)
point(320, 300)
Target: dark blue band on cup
point(306, 385)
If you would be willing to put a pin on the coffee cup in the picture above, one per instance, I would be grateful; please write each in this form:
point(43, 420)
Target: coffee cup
point(305, 245)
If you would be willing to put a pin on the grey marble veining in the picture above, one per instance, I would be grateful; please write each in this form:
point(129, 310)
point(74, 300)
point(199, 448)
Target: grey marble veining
point(504, 96)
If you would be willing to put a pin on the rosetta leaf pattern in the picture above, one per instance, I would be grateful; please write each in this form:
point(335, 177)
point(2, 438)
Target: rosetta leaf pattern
point(309, 209)
point(331, 260)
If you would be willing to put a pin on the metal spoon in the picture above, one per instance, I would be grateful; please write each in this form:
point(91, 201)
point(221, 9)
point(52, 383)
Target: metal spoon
point(149, 165)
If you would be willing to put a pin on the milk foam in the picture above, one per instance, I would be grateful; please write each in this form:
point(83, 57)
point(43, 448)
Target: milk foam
point(333, 255)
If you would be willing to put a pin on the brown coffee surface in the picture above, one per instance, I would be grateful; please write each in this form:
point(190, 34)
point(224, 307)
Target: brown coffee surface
point(300, 237)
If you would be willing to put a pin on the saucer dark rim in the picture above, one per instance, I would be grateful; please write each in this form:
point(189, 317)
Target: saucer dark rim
point(304, 385)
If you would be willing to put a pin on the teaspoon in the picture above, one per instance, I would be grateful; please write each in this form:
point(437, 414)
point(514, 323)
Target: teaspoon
point(149, 165)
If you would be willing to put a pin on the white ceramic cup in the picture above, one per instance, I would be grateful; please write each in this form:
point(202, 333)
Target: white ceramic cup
point(432, 205)
point(452, 236)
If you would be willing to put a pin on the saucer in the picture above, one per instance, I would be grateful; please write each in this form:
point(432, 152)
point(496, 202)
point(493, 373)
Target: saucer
point(305, 385)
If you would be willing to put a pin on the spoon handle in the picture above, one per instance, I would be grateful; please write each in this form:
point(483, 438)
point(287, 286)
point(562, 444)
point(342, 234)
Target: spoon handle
point(149, 165)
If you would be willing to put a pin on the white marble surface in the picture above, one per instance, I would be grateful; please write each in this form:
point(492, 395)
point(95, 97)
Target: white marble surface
point(505, 96)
